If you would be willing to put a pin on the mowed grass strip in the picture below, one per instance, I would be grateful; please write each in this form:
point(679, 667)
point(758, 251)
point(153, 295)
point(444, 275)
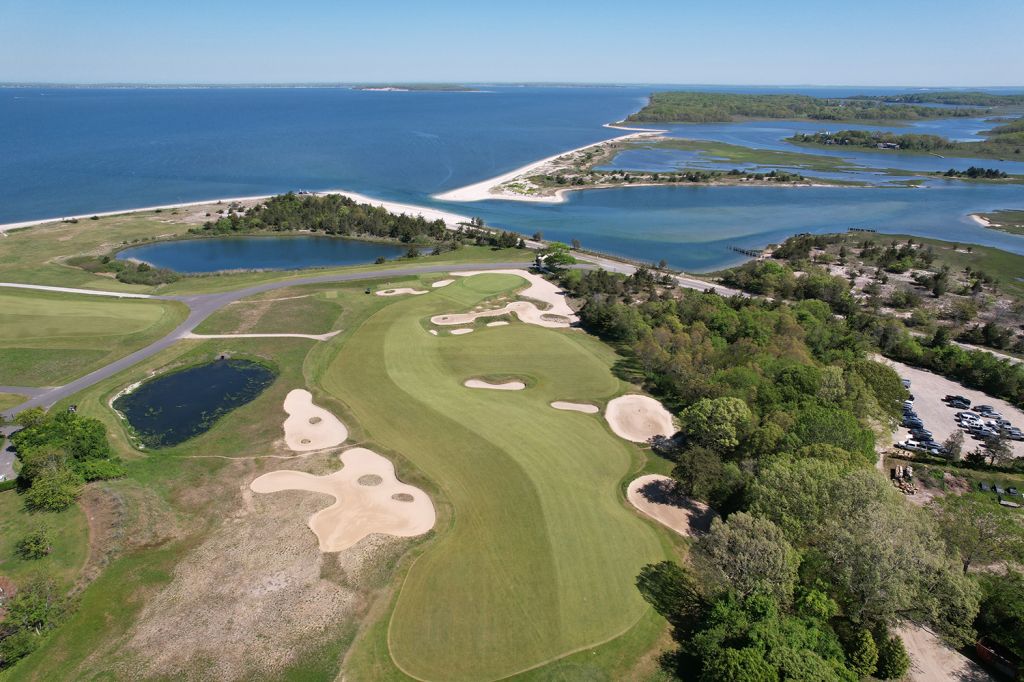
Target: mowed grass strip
point(541, 555)
point(49, 338)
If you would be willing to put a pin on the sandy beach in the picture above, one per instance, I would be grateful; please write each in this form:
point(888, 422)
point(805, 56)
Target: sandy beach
point(487, 189)
point(452, 220)
point(981, 221)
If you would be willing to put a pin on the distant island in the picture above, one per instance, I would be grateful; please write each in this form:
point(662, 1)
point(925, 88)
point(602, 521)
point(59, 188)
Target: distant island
point(1006, 220)
point(1002, 142)
point(713, 107)
point(416, 87)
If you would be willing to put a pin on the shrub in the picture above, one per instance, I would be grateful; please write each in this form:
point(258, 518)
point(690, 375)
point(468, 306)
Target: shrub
point(34, 545)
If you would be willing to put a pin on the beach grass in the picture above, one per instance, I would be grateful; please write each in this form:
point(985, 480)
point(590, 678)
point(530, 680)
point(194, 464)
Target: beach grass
point(50, 338)
point(540, 554)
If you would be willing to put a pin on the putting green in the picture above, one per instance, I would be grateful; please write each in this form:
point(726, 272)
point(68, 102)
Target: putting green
point(540, 557)
point(50, 338)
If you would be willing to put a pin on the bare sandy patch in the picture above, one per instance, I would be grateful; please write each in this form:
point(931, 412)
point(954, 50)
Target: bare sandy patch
point(309, 427)
point(931, 660)
point(460, 332)
point(638, 418)
point(433, 332)
point(401, 291)
point(499, 323)
point(586, 408)
point(505, 386)
point(364, 501)
point(655, 496)
point(441, 283)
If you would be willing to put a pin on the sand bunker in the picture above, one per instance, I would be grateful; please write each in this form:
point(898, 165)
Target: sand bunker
point(656, 497)
point(442, 283)
point(575, 407)
point(499, 323)
point(638, 418)
point(558, 314)
point(460, 332)
point(368, 499)
point(400, 291)
point(506, 386)
point(309, 427)
point(433, 332)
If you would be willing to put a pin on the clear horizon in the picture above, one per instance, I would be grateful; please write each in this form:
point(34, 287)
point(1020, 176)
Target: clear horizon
point(798, 42)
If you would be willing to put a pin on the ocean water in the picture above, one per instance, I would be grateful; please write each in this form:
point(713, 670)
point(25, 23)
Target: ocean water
point(72, 151)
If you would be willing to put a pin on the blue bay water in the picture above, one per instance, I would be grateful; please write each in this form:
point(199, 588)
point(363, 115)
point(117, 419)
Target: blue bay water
point(72, 151)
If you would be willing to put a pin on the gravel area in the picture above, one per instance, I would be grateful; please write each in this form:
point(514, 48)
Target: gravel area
point(929, 389)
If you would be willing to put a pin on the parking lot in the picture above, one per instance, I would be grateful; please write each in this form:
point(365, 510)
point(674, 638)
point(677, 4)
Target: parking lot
point(929, 389)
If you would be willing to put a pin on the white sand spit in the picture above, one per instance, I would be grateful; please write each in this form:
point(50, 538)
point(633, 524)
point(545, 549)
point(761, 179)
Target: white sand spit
point(401, 291)
point(558, 314)
point(460, 332)
point(655, 496)
point(368, 499)
point(309, 427)
point(638, 418)
point(586, 408)
point(507, 386)
point(984, 222)
point(499, 323)
point(441, 283)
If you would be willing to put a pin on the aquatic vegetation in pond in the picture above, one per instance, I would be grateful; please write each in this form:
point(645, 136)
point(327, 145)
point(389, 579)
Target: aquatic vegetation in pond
point(174, 407)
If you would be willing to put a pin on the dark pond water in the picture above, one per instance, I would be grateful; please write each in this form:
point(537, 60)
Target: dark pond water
point(260, 253)
point(175, 407)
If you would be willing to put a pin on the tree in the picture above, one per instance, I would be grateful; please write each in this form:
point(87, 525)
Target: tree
point(863, 654)
point(702, 475)
point(538, 236)
point(747, 554)
point(557, 255)
point(893, 661)
point(979, 529)
point(954, 446)
point(35, 544)
point(576, 245)
point(54, 489)
point(1001, 616)
point(717, 423)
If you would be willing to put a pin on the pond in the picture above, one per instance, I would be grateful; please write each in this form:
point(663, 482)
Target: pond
point(177, 406)
point(260, 253)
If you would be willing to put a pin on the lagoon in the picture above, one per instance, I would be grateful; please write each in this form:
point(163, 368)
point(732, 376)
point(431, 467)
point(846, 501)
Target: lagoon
point(260, 253)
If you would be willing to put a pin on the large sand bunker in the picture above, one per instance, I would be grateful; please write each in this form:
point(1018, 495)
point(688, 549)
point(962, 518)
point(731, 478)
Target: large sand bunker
point(368, 499)
point(558, 314)
point(309, 427)
point(505, 386)
point(586, 408)
point(656, 497)
point(638, 418)
point(400, 291)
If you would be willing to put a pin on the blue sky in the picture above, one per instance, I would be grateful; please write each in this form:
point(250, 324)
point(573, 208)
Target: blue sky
point(868, 42)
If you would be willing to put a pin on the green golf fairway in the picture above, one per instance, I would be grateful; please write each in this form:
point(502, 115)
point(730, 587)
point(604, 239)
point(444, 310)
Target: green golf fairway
point(541, 554)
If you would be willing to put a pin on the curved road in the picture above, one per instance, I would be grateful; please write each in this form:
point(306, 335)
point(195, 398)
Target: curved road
point(201, 306)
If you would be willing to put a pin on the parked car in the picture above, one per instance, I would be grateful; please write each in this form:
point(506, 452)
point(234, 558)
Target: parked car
point(983, 408)
point(910, 444)
point(985, 487)
point(921, 434)
point(1015, 434)
point(906, 383)
point(957, 399)
point(960, 404)
point(999, 490)
point(1013, 491)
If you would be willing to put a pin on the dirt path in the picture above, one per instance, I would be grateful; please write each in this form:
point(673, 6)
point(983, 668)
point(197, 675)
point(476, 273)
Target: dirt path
point(931, 660)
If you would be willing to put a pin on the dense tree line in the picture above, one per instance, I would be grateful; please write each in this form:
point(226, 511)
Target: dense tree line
point(976, 172)
point(706, 107)
point(950, 98)
point(331, 214)
point(818, 556)
point(59, 452)
point(997, 144)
